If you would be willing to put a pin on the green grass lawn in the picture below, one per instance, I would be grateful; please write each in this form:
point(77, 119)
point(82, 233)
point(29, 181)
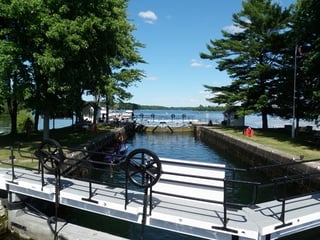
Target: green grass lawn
point(280, 139)
point(67, 137)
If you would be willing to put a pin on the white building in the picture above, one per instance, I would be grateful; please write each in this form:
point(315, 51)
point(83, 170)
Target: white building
point(232, 119)
point(88, 114)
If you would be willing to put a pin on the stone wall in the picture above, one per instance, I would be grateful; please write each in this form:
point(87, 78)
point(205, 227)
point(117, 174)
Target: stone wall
point(251, 153)
point(3, 217)
point(76, 159)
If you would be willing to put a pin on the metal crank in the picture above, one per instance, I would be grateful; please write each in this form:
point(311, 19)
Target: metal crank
point(50, 154)
point(143, 167)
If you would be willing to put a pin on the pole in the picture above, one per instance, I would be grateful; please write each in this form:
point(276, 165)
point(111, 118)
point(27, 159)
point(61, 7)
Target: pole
point(294, 93)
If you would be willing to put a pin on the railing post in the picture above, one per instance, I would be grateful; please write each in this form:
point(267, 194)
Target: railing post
point(150, 201)
point(254, 194)
point(224, 204)
point(42, 176)
point(283, 204)
point(126, 188)
point(89, 199)
point(12, 157)
point(144, 214)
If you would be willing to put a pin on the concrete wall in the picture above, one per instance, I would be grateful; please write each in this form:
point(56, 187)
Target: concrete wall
point(3, 216)
point(34, 225)
point(251, 153)
point(98, 145)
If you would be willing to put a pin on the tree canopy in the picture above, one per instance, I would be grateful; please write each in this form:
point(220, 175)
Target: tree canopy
point(251, 56)
point(52, 52)
point(260, 60)
point(306, 33)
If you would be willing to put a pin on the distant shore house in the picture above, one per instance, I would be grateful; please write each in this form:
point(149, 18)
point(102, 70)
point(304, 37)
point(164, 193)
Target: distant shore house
point(88, 114)
point(232, 119)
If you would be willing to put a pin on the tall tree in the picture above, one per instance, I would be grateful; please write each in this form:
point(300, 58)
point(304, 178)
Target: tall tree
point(298, 85)
point(251, 56)
point(116, 73)
point(306, 35)
point(69, 47)
point(15, 73)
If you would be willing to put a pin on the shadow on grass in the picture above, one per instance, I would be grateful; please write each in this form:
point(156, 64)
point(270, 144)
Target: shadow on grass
point(305, 139)
point(280, 138)
point(68, 137)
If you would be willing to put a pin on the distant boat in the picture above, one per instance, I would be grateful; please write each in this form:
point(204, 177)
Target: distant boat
point(127, 114)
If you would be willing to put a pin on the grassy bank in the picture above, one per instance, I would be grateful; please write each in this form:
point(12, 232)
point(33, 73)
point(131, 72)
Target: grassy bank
point(68, 137)
point(280, 139)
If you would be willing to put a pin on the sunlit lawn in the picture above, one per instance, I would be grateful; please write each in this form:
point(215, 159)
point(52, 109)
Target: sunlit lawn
point(281, 139)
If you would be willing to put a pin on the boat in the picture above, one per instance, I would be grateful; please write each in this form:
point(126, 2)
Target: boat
point(113, 115)
point(126, 115)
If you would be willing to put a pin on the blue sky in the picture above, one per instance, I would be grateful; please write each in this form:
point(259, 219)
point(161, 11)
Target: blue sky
point(175, 32)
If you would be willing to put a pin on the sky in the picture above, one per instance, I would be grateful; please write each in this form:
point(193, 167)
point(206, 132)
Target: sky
point(174, 33)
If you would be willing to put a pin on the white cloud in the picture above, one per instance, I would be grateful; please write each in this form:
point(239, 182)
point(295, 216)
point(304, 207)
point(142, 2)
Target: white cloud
point(148, 16)
point(233, 29)
point(196, 63)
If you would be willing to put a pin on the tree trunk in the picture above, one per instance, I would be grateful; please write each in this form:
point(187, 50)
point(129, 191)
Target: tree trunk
point(264, 120)
point(46, 119)
point(13, 111)
point(107, 113)
point(36, 121)
point(297, 126)
point(95, 111)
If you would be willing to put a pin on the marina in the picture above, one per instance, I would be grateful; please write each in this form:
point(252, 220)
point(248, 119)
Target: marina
point(153, 118)
point(197, 203)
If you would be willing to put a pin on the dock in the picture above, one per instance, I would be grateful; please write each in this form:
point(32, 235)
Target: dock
point(187, 197)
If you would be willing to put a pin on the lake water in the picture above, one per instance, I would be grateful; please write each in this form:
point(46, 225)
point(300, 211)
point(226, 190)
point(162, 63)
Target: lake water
point(171, 117)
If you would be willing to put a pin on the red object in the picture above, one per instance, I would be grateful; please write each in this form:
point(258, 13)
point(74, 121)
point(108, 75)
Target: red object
point(248, 132)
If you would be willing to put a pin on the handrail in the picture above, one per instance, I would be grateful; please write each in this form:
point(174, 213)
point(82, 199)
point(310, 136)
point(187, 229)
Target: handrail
point(283, 164)
point(229, 181)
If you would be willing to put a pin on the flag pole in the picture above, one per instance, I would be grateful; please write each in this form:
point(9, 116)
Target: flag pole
point(294, 93)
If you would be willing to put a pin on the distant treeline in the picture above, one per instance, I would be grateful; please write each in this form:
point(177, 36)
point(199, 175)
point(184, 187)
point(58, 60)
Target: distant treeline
point(155, 107)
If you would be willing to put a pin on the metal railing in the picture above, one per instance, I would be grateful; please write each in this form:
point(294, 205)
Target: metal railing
point(93, 167)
